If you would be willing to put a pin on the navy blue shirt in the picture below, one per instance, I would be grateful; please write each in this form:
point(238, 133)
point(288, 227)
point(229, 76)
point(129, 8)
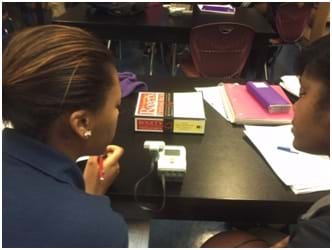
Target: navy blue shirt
point(44, 203)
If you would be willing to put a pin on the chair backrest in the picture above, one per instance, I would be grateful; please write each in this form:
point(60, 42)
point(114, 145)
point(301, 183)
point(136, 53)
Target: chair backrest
point(220, 49)
point(291, 19)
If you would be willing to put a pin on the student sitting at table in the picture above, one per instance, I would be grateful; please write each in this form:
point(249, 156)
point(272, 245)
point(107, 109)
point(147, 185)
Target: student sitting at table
point(311, 129)
point(61, 94)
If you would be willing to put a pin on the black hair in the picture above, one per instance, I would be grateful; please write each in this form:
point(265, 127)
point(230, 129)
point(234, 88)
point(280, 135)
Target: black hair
point(315, 61)
point(52, 70)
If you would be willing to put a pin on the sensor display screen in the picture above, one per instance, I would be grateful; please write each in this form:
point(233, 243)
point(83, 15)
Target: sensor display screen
point(173, 152)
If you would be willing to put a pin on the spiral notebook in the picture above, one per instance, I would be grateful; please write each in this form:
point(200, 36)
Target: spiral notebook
point(242, 108)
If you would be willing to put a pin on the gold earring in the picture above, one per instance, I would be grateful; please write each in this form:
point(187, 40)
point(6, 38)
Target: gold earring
point(87, 133)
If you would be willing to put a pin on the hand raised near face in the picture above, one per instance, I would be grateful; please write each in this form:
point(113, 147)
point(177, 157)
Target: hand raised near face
point(97, 180)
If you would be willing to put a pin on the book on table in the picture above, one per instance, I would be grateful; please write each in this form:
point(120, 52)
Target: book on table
point(268, 97)
point(179, 112)
point(217, 8)
point(242, 108)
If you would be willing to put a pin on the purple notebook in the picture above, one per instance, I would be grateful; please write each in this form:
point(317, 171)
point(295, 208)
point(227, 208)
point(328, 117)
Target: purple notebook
point(270, 99)
point(219, 8)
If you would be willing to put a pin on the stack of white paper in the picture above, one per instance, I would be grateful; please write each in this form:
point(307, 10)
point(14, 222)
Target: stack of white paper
point(302, 172)
point(292, 84)
point(213, 96)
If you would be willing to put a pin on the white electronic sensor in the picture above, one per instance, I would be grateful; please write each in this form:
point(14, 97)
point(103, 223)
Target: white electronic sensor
point(172, 162)
point(171, 159)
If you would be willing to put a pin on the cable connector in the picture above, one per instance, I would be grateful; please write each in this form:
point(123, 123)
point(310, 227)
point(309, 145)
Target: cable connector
point(154, 145)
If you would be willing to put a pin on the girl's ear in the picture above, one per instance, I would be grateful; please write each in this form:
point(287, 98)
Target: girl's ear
point(81, 123)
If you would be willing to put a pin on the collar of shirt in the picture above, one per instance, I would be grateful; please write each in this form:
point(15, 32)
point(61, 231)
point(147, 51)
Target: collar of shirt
point(41, 157)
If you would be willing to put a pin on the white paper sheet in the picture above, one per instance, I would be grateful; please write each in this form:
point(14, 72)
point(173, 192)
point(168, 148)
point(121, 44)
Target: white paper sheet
point(301, 171)
point(183, 100)
point(291, 83)
point(212, 95)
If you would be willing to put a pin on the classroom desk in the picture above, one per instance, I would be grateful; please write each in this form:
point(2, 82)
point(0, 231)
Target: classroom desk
point(156, 25)
point(227, 179)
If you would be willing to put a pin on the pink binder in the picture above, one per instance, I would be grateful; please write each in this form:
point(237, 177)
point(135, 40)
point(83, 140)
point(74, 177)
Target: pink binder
point(247, 110)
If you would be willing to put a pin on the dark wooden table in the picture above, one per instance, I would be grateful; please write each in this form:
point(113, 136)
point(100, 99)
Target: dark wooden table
point(156, 25)
point(152, 25)
point(227, 179)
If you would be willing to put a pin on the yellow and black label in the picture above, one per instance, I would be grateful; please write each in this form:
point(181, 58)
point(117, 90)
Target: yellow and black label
point(189, 126)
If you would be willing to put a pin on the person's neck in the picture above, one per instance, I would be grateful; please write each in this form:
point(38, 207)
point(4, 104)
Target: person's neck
point(63, 140)
point(66, 146)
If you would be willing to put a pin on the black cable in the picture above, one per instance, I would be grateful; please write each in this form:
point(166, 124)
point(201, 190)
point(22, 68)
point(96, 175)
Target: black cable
point(155, 156)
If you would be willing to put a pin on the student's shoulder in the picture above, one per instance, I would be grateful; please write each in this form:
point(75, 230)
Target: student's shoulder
point(313, 232)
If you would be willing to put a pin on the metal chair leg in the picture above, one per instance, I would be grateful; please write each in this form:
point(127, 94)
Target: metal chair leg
point(162, 55)
point(153, 45)
point(173, 70)
point(298, 46)
point(265, 71)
